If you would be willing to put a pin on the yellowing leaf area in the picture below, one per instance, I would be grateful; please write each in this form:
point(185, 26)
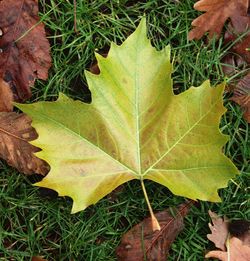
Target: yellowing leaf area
point(135, 128)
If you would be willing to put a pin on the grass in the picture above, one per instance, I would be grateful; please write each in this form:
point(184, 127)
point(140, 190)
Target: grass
point(32, 223)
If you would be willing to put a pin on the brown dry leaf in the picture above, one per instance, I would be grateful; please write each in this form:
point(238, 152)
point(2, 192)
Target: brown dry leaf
point(237, 252)
point(219, 229)
point(217, 12)
point(141, 241)
point(38, 258)
point(242, 95)
point(238, 26)
point(24, 49)
point(6, 97)
point(15, 134)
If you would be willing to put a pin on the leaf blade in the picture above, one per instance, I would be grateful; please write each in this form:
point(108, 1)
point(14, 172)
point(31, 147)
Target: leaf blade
point(130, 128)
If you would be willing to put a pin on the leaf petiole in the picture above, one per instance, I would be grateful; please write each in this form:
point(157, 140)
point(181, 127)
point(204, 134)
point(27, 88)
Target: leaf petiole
point(155, 223)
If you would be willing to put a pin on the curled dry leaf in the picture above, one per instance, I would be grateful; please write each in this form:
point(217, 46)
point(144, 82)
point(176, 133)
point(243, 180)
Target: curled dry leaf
point(6, 97)
point(219, 229)
point(237, 251)
point(217, 12)
point(24, 49)
point(142, 242)
point(242, 95)
point(15, 134)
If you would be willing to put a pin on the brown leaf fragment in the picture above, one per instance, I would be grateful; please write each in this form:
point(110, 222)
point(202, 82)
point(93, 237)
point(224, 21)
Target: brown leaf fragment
point(237, 251)
point(38, 258)
point(6, 97)
point(94, 68)
point(15, 134)
point(217, 12)
point(238, 26)
point(241, 96)
point(240, 229)
point(141, 242)
point(24, 49)
point(232, 64)
point(219, 229)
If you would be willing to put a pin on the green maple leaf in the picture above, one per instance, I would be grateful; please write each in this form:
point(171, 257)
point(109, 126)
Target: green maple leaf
point(135, 128)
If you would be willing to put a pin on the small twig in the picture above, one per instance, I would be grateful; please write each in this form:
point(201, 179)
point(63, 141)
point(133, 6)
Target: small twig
point(75, 25)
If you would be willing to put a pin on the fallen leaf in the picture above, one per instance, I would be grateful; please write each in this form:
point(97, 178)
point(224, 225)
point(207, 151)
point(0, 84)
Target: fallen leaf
point(241, 95)
point(217, 12)
point(238, 26)
point(38, 258)
point(142, 243)
point(15, 134)
point(232, 64)
point(135, 128)
point(6, 97)
point(24, 49)
point(237, 252)
point(219, 229)
point(240, 229)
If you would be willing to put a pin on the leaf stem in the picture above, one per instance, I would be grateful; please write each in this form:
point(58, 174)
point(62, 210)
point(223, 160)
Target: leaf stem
point(155, 223)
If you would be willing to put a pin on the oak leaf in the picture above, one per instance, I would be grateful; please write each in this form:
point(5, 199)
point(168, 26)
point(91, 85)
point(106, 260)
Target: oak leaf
point(217, 12)
point(24, 49)
point(241, 95)
point(142, 243)
point(135, 128)
point(219, 229)
point(237, 251)
point(15, 134)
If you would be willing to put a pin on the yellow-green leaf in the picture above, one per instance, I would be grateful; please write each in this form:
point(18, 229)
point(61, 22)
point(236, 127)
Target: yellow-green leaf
point(135, 128)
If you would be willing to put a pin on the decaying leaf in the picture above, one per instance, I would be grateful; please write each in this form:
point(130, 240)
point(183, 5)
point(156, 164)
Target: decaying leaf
point(142, 243)
point(135, 128)
point(231, 237)
point(38, 258)
point(219, 229)
point(238, 26)
point(24, 49)
point(15, 134)
point(237, 251)
point(217, 12)
point(242, 95)
point(6, 97)
point(240, 229)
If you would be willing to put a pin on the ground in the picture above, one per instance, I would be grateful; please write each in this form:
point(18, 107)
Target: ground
point(35, 222)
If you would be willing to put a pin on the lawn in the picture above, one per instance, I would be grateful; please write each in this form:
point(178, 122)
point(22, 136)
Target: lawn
point(35, 221)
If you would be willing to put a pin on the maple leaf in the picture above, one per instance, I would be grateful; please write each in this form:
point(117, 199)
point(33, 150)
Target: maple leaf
point(219, 230)
point(237, 252)
point(241, 95)
point(217, 12)
point(141, 241)
point(24, 49)
point(135, 128)
point(15, 134)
